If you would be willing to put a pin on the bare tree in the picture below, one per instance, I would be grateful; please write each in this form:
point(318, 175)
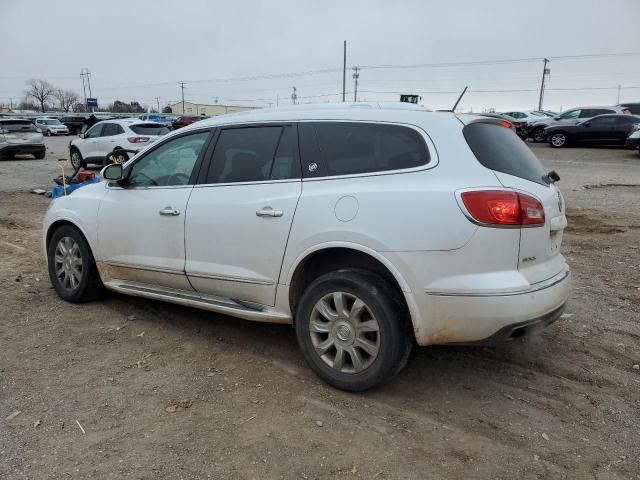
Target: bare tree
point(41, 91)
point(66, 99)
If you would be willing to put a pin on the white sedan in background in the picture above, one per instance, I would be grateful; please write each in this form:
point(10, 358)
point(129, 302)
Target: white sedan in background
point(113, 136)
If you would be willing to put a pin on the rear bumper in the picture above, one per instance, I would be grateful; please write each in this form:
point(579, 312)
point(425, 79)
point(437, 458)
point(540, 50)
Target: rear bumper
point(22, 148)
point(489, 317)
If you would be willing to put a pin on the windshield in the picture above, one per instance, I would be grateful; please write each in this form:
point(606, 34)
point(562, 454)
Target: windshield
point(51, 121)
point(17, 126)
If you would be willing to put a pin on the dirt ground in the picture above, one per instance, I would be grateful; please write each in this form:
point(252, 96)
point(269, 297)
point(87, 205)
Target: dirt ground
point(129, 388)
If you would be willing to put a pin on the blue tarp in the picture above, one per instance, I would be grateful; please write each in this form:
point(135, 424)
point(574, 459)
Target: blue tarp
point(58, 190)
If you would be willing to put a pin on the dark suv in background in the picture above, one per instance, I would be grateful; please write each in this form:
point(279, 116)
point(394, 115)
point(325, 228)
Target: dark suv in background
point(74, 123)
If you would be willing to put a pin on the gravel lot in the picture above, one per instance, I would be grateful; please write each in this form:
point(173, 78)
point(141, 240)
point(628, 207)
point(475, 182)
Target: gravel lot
point(129, 388)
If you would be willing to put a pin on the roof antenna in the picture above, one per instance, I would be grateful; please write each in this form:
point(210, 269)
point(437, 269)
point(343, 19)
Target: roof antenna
point(455, 105)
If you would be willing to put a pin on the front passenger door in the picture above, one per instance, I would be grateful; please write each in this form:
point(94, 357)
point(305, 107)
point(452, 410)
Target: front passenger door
point(141, 223)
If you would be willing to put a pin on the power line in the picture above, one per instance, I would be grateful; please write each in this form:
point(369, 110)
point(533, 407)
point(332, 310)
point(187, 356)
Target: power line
point(497, 62)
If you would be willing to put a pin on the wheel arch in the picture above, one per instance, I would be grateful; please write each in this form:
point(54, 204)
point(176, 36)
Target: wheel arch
point(56, 224)
point(329, 257)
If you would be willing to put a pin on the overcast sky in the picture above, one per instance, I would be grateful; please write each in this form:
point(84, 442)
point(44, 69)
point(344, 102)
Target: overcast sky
point(140, 50)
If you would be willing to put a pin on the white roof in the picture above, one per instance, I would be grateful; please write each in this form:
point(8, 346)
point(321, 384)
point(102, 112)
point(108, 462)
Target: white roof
point(382, 111)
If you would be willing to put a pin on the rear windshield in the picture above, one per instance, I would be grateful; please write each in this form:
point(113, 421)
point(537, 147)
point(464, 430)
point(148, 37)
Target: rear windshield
point(149, 129)
point(18, 126)
point(499, 149)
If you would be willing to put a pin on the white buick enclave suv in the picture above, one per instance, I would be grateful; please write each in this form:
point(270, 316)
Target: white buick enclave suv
point(368, 227)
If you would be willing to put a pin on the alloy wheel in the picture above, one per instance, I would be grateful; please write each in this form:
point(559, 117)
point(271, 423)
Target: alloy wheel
point(558, 140)
point(344, 332)
point(68, 263)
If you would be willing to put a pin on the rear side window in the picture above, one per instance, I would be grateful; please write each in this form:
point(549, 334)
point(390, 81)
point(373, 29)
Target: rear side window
point(111, 129)
point(149, 129)
point(347, 148)
point(633, 108)
point(499, 149)
point(253, 154)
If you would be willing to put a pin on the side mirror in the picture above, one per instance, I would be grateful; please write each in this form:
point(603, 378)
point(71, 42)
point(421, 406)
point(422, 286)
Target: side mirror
point(81, 135)
point(112, 172)
point(557, 118)
point(586, 124)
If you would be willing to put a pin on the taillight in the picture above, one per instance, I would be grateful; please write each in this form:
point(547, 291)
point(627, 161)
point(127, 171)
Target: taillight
point(505, 124)
point(138, 139)
point(501, 207)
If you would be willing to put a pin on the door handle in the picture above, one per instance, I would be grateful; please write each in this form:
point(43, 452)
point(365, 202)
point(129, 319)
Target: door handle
point(169, 211)
point(269, 212)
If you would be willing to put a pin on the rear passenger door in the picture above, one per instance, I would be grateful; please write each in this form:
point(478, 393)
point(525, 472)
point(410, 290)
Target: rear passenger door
point(106, 143)
point(240, 213)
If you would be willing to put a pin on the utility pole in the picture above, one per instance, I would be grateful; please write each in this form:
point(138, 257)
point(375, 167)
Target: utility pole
point(84, 86)
point(545, 72)
point(618, 101)
point(356, 76)
point(182, 88)
point(344, 72)
point(294, 96)
point(158, 103)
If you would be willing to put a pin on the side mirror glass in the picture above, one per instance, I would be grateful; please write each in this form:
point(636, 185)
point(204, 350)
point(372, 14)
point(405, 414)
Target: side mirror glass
point(112, 172)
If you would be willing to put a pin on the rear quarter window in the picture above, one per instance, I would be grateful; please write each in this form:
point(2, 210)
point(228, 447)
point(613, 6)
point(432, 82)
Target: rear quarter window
point(347, 148)
point(499, 149)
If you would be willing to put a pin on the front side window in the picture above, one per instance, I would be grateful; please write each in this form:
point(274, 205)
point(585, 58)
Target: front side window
point(170, 164)
point(571, 114)
point(254, 154)
point(347, 148)
point(95, 131)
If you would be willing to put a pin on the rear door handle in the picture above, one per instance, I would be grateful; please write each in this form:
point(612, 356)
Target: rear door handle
point(169, 211)
point(269, 212)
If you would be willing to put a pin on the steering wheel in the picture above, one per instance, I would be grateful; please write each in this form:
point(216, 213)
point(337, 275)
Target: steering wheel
point(176, 178)
point(153, 182)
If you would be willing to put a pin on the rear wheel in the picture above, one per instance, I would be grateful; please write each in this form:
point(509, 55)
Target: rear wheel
point(39, 155)
point(72, 268)
point(558, 140)
point(538, 134)
point(353, 329)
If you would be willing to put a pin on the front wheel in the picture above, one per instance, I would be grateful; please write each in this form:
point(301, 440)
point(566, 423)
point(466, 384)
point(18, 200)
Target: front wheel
point(353, 329)
point(72, 268)
point(76, 159)
point(558, 140)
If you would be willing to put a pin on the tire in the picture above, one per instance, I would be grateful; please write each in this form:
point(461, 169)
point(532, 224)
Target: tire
point(40, 155)
point(375, 342)
point(122, 157)
point(47, 133)
point(75, 157)
point(74, 275)
point(558, 140)
point(538, 135)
